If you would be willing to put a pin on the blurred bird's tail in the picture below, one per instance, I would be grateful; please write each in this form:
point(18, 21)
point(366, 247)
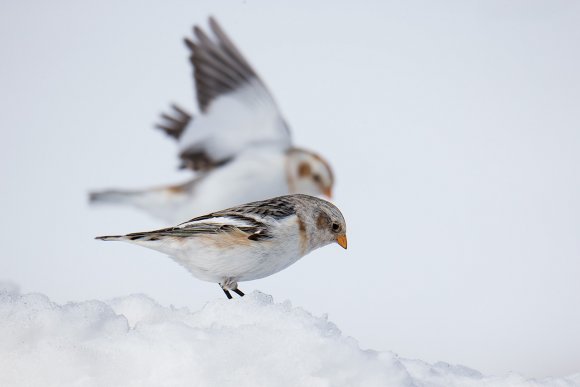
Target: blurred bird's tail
point(156, 197)
point(115, 196)
point(168, 203)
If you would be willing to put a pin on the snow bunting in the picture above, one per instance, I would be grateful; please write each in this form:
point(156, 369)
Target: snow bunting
point(240, 139)
point(247, 242)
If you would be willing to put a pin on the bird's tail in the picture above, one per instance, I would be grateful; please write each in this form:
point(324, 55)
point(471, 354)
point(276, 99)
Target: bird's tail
point(157, 196)
point(167, 202)
point(114, 196)
point(136, 237)
point(111, 238)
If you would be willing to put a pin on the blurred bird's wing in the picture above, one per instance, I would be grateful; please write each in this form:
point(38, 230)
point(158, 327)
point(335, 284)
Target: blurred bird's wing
point(237, 109)
point(174, 123)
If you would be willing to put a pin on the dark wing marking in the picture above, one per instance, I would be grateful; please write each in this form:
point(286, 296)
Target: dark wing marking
point(175, 122)
point(277, 208)
point(199, 160)
point(231, 215)
point(254, 233)
point(219, 67)
point(260, 236)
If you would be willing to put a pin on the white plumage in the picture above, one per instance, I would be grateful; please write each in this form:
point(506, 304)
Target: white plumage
point(242, 118)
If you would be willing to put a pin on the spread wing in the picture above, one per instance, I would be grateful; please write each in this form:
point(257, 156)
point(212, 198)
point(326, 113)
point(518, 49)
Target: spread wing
point(237, 109)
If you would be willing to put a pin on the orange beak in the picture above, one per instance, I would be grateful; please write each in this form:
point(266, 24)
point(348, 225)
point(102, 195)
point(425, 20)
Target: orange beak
point(327, 192)
point(341, 240)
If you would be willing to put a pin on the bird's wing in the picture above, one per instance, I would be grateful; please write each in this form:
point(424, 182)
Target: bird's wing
point(237, 109)
point(276, 208)
point(175, 122)
point(251, 221)
point(207, 226)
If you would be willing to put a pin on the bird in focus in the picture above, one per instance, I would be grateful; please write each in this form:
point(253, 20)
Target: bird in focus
point(247, 242)
point(240, 139)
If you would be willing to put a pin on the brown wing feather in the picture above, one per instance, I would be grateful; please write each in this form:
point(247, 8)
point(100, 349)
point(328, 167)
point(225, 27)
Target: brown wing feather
point(219, 67)
point(250, 232)
point(175, 122)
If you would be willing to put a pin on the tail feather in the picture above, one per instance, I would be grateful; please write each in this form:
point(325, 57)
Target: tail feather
point(137, 236)
point(111, 238)
point(113, 196)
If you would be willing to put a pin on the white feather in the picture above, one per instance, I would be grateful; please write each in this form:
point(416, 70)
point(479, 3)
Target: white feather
point(221, 220)
point(235, 121)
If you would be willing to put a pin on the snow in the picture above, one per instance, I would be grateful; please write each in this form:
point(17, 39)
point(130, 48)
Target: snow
point(250, 341)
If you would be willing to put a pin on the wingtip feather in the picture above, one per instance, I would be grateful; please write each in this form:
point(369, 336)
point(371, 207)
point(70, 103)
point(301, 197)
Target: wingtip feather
point(213, 24)
point(189, 43)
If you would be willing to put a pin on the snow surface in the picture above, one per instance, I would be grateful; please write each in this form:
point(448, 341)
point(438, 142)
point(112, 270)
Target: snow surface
point(250, 341)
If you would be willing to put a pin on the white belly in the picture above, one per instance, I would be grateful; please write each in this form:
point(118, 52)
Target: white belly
point(215, 258)
point(239, 263)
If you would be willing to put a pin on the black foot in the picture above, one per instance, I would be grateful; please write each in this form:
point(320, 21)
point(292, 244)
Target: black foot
point(228, 295)
point(239, 292)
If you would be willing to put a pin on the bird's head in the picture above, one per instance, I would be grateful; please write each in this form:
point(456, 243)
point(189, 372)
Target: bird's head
point(323, 221)
point(308, 173)
point(330, 225)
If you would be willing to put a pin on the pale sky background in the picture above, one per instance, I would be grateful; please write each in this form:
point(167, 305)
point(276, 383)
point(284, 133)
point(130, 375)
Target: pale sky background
point(453, 128)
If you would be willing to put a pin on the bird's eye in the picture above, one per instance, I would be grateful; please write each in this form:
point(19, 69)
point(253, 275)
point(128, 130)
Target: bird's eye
point(335, 227)
point(317, 178)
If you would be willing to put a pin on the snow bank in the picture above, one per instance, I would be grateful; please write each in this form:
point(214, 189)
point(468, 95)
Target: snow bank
point(252, 341)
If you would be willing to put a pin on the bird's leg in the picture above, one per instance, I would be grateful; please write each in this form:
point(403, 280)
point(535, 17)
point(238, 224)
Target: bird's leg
point(230, 284)
point(228, 295)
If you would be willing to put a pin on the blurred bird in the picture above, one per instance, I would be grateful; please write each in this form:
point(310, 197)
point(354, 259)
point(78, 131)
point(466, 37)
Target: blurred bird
point(247, 242)
point(240, 145)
